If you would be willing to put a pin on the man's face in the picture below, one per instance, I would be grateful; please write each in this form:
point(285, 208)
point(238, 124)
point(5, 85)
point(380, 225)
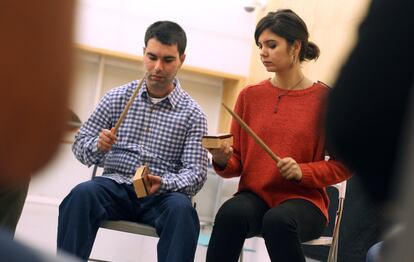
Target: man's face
point(162, 63)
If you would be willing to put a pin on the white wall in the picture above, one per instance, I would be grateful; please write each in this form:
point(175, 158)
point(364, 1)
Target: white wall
point(219, 32)
point(206, 90)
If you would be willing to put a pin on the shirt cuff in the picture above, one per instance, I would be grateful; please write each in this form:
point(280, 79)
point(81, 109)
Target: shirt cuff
point(95, 149)
point(164, 187)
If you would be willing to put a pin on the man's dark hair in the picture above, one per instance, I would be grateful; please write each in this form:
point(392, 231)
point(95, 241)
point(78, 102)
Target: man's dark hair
point(168, 33)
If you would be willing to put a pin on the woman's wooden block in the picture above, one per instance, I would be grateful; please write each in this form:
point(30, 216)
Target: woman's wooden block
point(215, 141)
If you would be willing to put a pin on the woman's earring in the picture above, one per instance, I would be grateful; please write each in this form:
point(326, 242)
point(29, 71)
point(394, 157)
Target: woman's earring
point(293, 60)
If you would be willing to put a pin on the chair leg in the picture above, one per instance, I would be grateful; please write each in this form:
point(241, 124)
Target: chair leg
point(333, 251)
point(335, 256)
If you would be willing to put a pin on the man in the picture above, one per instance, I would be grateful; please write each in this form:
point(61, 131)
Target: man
point(163, 129)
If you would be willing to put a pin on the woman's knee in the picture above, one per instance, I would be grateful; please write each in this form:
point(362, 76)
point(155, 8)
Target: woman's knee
point(231, 213)
point(277, 222)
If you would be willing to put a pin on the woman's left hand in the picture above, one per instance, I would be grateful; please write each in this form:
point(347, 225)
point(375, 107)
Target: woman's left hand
point(289, 169)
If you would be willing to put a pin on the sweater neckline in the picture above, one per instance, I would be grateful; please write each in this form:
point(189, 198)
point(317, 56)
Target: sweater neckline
point(294, 92)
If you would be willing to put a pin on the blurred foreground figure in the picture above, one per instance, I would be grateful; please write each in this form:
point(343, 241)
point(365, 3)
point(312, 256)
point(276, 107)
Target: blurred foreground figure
point(36, 53)
point(368, 110)
point(35, 69)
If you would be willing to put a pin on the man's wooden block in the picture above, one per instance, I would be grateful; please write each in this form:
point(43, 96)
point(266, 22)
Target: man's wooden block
point(141, 182)
point(215, 141)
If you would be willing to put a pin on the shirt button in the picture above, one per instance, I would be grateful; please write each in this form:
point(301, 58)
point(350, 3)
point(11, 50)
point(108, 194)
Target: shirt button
point(147, 129)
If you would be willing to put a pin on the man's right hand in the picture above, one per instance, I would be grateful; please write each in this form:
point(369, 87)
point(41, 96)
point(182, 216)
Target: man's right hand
point(106, 139)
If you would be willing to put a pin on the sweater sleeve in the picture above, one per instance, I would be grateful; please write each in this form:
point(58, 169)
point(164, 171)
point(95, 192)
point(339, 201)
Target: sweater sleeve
point(232, 169)
point(323, 173)
point(234, 165)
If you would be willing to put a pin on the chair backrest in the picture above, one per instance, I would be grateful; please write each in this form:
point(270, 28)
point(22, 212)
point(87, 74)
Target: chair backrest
point(94, 171)
point(341, 189)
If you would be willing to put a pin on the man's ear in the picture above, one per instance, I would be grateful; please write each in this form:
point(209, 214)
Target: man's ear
point(143, 50)
point(182, 58)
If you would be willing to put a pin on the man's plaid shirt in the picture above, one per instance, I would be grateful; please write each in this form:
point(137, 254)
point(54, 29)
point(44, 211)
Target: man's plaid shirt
point(166, 136)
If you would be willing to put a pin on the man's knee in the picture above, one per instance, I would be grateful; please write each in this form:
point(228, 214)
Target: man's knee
point(178, 213)
point(79, 194)
point(180, 206)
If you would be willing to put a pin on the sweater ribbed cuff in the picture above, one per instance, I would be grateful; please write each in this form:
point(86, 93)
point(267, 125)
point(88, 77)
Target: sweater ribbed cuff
point(306, 175)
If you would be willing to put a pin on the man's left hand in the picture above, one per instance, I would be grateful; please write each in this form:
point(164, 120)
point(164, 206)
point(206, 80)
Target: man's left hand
point(155, 182)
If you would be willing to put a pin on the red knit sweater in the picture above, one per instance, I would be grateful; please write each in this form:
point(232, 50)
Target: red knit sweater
point(290, 123)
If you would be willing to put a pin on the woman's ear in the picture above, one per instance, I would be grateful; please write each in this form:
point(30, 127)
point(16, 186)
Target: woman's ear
point(296, 47)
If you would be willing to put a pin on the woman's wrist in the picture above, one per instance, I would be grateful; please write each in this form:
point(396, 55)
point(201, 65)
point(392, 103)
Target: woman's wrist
point(221, 164)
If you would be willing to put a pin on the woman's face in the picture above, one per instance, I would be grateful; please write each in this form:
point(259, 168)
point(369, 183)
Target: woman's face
point(275, 53)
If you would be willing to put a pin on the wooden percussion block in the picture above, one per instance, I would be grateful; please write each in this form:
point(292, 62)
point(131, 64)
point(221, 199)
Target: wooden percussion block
point(215, 141)
point(141, 182)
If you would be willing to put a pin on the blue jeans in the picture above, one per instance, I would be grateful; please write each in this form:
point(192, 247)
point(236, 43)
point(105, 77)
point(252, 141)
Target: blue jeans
point(91, 202)
point(373, 252)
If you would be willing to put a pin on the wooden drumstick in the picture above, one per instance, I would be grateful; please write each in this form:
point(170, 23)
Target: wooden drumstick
point(131, 100)
point(256, 138)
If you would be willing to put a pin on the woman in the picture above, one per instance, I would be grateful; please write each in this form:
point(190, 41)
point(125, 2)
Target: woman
point(285, 202)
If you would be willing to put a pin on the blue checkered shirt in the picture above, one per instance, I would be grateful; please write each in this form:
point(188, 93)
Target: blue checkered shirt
point(166, 136)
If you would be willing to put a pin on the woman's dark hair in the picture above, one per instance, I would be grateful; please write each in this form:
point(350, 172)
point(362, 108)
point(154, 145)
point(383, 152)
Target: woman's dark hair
point(168, 33)
point(287, 24)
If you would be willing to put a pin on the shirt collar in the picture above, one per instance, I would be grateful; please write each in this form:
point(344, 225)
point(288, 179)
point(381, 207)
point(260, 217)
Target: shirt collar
point(173, 98)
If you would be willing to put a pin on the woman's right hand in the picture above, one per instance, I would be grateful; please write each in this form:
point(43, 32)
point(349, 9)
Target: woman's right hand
point(106, 140)
point(221, 155)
